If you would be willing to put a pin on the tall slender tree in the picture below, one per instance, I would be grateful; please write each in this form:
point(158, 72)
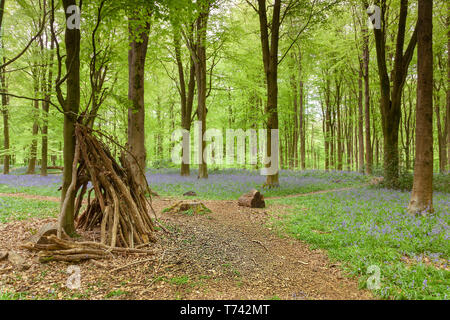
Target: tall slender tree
point(200, 59)
point(422, 194)
point(391, 93)
point(71, 105)
point(5, 114)
point(270, 36)
point(366, 61)
point(186, 93)
point(447, 123)
point(139, 29)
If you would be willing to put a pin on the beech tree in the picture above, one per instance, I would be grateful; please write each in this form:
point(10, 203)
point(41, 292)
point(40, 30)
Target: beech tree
point(390, 101)
point(139, 29)
point(195, 39)
point(186, 88)
point(5, 115)
point(70, 105)
point(422, 194)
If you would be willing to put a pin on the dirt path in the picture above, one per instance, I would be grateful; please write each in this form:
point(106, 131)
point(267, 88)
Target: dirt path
point(230, 253)
point(317, 192)
point(31, 197)
point(261, 264)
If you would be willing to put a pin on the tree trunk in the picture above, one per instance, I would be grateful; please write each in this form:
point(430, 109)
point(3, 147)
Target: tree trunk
point(339, 126)
point(327, 125)
point(6, 157)
point(447, 117)
point(406, 119)
point(356, 148)
point(71, 106)
point(422, 194)
point(295, 136)
point(159, 139)
point(187, 98)
point(200, 75)
point(360, 124)
point(35, 115)
point(138, 36)
point(5, 113)
point(270, 61)
point(301, 121)
point(2, 9)
point(390, 103)
point(366, 58)
point(441, 135)
point(332, 139)
point(47, 86)
point(302, 129)
point(349, 136)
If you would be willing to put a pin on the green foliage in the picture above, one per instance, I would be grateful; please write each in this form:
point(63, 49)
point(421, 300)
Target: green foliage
point(441, 182)
point(368, 227)
point(6, 295)
point(329, 46)
point(115, 293)
point(182, 280)
point(38, 191)
point(12, 208)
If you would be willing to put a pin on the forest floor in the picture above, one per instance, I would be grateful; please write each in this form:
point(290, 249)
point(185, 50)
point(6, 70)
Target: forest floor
point(318, 237)
point(230, 253)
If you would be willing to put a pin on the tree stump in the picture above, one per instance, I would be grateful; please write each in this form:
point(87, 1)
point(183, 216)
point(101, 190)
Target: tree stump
point(188, 207)
point(253, 199)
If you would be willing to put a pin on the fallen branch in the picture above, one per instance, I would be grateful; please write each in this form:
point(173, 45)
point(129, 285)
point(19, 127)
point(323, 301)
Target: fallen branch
point(65, 250)
point(261, 244)
point(132, 264)
point(71, 258)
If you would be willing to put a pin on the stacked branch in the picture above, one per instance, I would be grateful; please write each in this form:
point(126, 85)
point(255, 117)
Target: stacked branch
point(56, 249)
point(120, 206)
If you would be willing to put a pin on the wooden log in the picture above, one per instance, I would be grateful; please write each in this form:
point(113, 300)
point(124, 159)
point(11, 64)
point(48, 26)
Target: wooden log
point(74, 251)
point(55, 168)
point(41, 236)
point(253, 199)
point(72, 258)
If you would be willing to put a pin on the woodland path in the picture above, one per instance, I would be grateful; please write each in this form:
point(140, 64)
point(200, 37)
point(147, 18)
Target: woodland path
point(231, 253)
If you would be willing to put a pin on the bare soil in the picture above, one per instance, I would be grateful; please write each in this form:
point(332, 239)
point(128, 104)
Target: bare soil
point(231, 253)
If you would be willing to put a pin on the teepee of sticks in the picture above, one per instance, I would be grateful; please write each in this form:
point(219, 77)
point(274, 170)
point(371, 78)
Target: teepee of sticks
point(120, 206)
